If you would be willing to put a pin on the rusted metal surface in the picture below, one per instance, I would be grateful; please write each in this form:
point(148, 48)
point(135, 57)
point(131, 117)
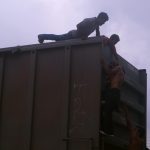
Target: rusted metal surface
point(15, 104)
point(85, 94)
point(49, 98)
point(133, 93)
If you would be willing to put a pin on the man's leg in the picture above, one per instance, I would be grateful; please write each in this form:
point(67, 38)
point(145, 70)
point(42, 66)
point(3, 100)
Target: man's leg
point(116, 98)
point(63, 37)
point(112, 103)
point(107, 120)
point(42, 37)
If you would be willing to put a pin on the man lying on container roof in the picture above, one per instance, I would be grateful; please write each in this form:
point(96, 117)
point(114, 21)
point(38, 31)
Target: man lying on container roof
point(84, 29)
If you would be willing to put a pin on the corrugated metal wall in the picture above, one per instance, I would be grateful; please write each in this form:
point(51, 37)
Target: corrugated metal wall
point(50, 98)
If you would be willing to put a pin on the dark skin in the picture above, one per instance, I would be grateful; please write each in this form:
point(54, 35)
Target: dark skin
point(97, 31)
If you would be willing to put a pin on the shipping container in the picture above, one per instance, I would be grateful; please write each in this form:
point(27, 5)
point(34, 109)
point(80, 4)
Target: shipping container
point(50, 97)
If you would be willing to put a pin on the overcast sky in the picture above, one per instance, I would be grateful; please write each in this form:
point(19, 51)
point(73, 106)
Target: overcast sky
point(22, 20)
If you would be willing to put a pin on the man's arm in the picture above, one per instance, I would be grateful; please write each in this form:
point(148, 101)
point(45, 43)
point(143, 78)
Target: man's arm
point(97, 31)
point(113, 48)
point(115, 53)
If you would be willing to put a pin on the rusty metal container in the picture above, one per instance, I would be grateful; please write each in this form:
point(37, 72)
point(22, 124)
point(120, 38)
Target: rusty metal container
point(50, 97)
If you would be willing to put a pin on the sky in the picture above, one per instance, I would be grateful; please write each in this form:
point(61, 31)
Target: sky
point(22, 20)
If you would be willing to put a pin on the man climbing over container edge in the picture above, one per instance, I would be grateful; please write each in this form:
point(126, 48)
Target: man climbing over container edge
point(110, 42)
point(115, 78)
point(84, 29)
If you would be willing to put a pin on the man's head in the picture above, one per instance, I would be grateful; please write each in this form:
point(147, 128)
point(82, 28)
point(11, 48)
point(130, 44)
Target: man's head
point(114, 38)
point(102, 18)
